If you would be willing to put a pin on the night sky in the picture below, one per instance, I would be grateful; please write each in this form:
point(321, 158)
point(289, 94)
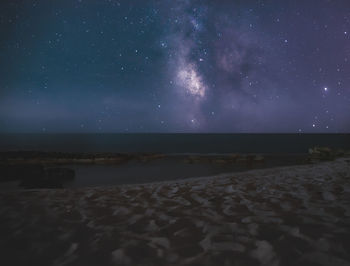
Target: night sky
point(175, 66)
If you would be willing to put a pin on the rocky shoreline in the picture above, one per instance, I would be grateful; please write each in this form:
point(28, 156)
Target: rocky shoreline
point(34, 169)
point(53, 158)
point(49, 170)
point(57, 158)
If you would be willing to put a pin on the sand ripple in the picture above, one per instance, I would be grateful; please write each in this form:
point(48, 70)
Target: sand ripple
point(283, 216)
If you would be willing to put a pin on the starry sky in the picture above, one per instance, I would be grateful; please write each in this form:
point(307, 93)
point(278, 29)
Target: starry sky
point(175, 66)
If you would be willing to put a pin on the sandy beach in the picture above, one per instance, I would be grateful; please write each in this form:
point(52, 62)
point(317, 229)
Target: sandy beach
point(295, 215)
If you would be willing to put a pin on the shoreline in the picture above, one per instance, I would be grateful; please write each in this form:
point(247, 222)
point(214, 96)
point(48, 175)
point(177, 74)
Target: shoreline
point(199, 178)
point(70, 170)
point(60, 170)
point(296, 215)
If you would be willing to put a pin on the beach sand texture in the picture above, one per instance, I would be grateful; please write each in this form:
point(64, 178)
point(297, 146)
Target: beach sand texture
point(296, 215)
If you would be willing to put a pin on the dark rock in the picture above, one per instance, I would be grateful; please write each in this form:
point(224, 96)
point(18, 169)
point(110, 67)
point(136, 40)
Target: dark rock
point(150, 157)
point(243, 160)
point(322, 153)
point(221, 161)
point(40, 182)
point(19, 172)
point(32, 157)
point(233, 157)
point(194, 159)
point(259, 159)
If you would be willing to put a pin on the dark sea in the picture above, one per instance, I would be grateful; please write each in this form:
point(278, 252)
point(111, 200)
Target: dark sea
point(173, 143)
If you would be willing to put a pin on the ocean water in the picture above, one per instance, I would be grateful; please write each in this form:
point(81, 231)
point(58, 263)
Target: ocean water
point(173, 143)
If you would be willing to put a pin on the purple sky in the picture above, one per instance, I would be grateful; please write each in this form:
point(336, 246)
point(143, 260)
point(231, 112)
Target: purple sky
point(175, 66)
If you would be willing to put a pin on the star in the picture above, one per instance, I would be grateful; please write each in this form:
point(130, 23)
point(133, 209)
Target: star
point(198, 66)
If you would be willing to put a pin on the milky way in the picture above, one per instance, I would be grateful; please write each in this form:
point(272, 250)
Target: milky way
point(175, 66)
